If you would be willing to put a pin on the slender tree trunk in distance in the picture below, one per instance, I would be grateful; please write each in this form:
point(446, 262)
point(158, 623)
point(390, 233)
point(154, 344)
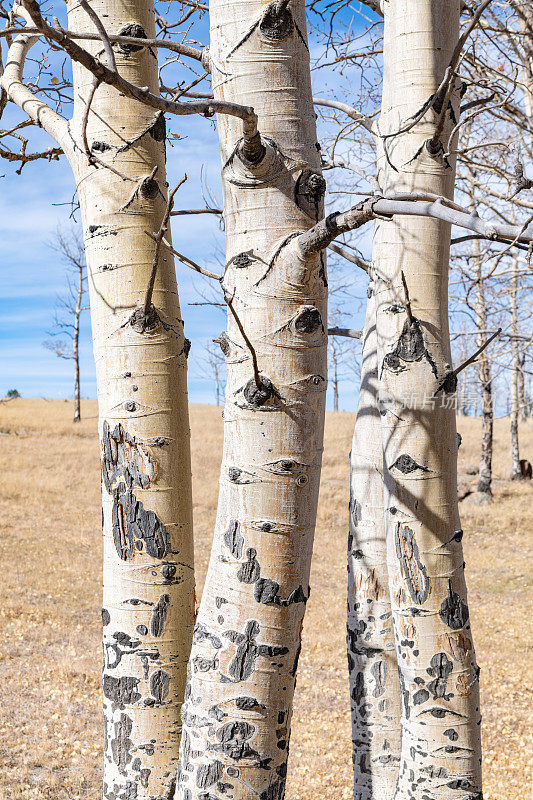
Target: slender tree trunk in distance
point(372, 666)
point(246, 645)
point(440, 752)
point(76, 347)
point(515, 445)
point(334, 358)
point(148, 607)
point(485, 381)
point(523, 400)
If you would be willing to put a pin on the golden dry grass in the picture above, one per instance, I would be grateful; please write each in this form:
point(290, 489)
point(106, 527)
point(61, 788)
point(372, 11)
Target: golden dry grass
point(50, 725)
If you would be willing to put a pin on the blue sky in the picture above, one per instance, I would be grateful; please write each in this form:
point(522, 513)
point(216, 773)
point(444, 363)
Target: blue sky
point(34, 204)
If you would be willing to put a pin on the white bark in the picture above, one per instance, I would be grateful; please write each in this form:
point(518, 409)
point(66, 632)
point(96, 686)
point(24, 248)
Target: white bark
point(148, 604)
point(440, 756)
point(247, 638)
point(515, 445)
point(372, 665)
point(485, 382)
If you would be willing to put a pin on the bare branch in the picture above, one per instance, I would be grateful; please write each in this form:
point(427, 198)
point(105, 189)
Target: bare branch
point(158, 238)
point(184, 211)
point(351, 257)
point(257, 375)
point(408, 310)
point(142, 93)
point(349, 332)
point(351, 112)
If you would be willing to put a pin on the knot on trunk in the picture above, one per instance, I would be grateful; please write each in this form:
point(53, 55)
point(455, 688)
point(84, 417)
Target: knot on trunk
point(158, 131)
point(142, 322)
point(255, 161)
point(308, 320)
point(135, 31)
point(309, 193)
point(149, 188)
point(277, 23)
point(257, 394)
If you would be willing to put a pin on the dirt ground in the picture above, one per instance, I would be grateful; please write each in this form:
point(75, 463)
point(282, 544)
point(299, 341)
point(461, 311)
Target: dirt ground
point(50, 721)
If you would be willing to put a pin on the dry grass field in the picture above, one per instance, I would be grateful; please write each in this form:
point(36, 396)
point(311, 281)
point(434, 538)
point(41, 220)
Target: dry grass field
point(50, 723)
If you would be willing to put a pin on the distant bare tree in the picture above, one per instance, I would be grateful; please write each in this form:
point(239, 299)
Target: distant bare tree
point(69, 307)
point(215, 364)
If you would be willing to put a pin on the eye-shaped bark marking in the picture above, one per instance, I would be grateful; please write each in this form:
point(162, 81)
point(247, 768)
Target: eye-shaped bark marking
point(242, 260)
point(440, 668)
point(158, 131)
point(275, 25)
point(453, 611)
point(420, 696)
point(134, 528)
point(121, 691)
point(248, 650)
point(124, 458)
point(411, 567)
point(149, 188)
point(406, 464)
point(159, 615)
point(287, 466)
point(410, 347)
point(308, 320)
point(159, 685)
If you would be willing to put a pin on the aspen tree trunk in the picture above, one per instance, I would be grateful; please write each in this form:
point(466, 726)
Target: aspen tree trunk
point(372, 666)
point(523, 400)
point(148, 603)
point(334, 358)
point(76, 347)
point(440, 750)
point(237, 714)
point(515, 445)
point(485, 381)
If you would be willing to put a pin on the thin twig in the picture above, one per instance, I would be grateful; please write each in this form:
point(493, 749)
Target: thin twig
point(351, 257)
point(408, 309)
point(478, 352)
point(108, 47)
point(182, 212)
point(229, 301)
point(348, 332)
point(452, 70)
point(187, 261)
point(158, 239)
